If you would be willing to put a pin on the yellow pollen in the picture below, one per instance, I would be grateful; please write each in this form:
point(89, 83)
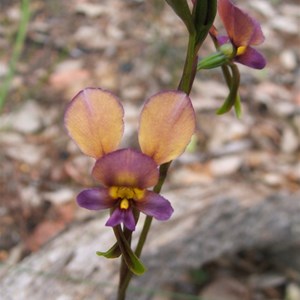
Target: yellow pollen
point(124, 204)
point(125, 192)
point(241, 50)
point(139, 193)
point(113, 192)
point(116, 192)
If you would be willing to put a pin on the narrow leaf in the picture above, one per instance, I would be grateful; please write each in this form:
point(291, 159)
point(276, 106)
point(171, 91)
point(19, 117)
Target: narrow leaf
point(182, 10)
point(113, 252)
point(238, 106)
point(233, 94)
point(227, 105)
point(131, 260)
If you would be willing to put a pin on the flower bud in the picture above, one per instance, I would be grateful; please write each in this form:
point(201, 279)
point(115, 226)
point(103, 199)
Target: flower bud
point(213, 61)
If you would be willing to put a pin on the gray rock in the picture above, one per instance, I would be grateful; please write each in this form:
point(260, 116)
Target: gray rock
point(208, 222)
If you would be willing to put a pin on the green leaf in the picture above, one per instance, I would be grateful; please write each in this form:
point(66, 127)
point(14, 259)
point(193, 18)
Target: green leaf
point(227, 105)
point(182, 10)
point(131, 260)
point(233, 96)
point(113, 252)
point(238, 106)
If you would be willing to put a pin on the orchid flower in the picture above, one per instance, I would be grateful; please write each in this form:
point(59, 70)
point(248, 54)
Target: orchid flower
point(94, 120)
point(242, 32)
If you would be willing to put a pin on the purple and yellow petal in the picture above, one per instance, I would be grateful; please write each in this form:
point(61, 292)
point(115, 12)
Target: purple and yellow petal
point(155, 206)
point(242, 29)
point(167, 124)
point(126, 168)
point(94, 120)
point(95, 199)
point(119, 216)
point(251, 58)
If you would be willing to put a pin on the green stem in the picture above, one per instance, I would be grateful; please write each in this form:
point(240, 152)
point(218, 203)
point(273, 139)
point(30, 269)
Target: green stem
point(163, 171)
point(16, 52)
point(190, 66)
point(124, 270)
point(124, 279)
point(227, 75)
point(123, 274)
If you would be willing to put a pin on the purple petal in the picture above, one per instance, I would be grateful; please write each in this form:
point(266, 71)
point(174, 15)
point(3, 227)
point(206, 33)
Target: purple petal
point(251, 58)
point(155, 206)
point(124, 216)
point(126, 167)
point(242, 29)
point(129, 221)
point(95, 199)
point(222, 39)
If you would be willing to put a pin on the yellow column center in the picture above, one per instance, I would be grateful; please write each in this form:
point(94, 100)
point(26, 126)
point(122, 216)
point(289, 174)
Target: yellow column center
point(124, 204)
point(241, 50)
point(126, 194)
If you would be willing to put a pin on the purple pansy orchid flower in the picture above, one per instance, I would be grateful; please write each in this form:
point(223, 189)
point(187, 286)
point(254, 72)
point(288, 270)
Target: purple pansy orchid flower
point(243, 32)
point(94, 120)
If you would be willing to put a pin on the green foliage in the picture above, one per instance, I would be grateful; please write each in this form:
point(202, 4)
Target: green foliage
point(132, 261)
point(182, 10)
point(233, 98)
point(16, 52)
point(204, 16)
point(113, 252)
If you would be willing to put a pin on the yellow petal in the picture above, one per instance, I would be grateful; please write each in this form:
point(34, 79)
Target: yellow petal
point(167, 124)
point(94, 120)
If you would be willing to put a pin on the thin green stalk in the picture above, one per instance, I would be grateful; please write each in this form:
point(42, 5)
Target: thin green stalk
point(189, 70)
point(16, 52)
point(123, 278)
point(163, 171)
point(227, 75)
point(124, 270)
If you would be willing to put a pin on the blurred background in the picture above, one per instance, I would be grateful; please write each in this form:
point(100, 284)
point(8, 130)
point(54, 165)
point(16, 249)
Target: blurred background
point(136, 48)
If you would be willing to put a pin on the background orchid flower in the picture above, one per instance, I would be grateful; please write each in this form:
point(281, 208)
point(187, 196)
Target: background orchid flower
point(94, 120)
point(243, 32)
